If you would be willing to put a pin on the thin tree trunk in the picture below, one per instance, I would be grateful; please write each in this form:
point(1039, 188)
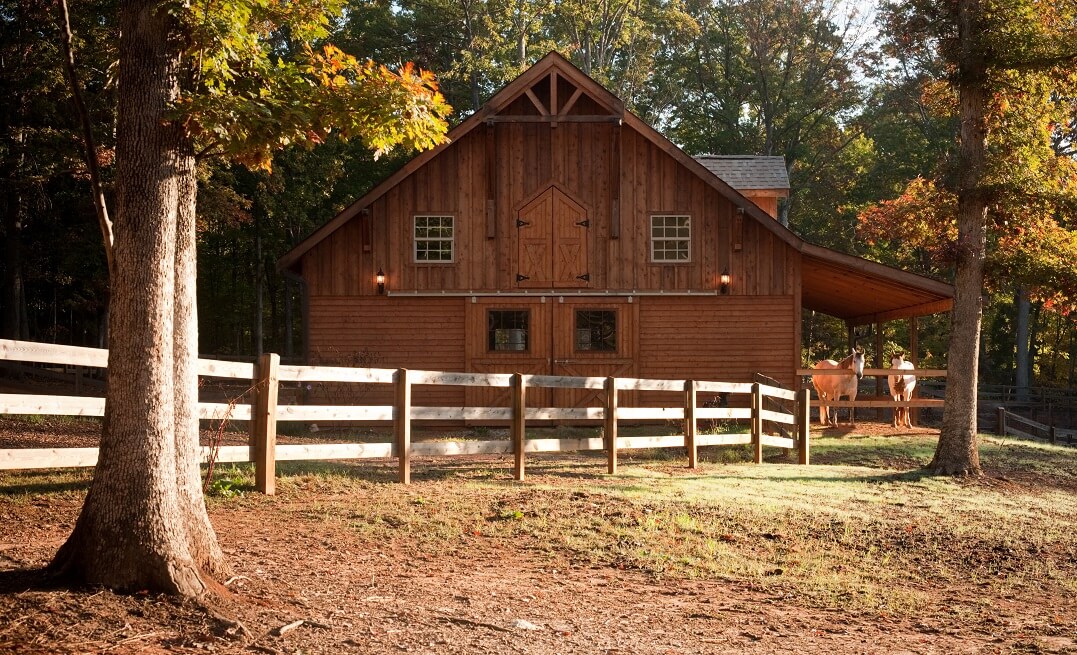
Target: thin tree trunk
point(289, 346)
point(89, 150)
point(1021, 365)
point(1035, 341)
point(134, 532)
point(259, 292)
point(957, 451)
point(12, 301)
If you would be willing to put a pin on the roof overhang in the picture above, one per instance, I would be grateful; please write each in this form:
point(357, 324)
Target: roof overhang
point(860, 291)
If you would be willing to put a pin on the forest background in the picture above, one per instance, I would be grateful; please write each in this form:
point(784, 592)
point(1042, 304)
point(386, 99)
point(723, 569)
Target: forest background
point(858, 106)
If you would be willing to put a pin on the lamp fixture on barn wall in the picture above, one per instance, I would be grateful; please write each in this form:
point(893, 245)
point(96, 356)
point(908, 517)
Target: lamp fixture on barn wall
point(724, 281)
point(380, 279)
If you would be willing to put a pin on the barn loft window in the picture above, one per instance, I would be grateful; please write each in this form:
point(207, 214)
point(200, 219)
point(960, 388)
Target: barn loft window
point(671, 238)
point(433, 238)
point(596, 330)
point(507, 329)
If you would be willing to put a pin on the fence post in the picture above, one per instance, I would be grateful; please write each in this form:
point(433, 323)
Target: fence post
point(804, 425)
point(1002, 421)
point(263, 438)
point(519, 406)
point(402, 423)
point(1051, 425)
point(690, 422)
point(610, 425)
point(757, 422)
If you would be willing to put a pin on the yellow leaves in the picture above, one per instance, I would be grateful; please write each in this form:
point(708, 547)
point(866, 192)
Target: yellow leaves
point(939, 97)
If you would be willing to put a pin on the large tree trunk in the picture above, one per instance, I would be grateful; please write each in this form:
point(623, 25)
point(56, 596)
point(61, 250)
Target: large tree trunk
point(139, 527)
point(957, 451)
point(201, 538)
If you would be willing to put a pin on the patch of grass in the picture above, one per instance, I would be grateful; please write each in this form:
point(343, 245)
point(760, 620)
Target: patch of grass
point(866, 529)
point(23, 486)
point(231, 481)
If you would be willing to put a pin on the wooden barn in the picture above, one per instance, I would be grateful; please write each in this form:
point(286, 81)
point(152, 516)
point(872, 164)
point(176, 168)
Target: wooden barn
point(559, 234)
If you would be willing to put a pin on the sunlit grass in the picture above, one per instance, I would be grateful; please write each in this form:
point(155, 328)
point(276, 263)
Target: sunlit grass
point(863, 528)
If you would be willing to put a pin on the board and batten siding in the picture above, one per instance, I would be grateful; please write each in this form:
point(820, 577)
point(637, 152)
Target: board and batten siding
point(584, 161)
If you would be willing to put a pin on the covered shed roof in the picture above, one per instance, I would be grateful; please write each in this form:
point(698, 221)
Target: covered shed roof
point(861, 291)
point(749, 172)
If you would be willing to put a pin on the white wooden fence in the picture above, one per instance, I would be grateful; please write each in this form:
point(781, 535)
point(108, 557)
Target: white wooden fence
point(268, 373)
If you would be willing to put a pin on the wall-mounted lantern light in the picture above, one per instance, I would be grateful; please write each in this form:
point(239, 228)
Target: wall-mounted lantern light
point(380, 279)
point(724, 280)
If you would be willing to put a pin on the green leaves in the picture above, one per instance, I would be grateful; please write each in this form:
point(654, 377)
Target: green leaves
point(258, 84)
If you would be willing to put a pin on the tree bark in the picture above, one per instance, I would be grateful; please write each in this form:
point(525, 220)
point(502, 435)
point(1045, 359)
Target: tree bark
point(958, 448)
point(202, 540)
point(139, 528)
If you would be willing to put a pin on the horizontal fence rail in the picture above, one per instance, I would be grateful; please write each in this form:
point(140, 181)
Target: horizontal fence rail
point(1010, 424)
point(264, 411)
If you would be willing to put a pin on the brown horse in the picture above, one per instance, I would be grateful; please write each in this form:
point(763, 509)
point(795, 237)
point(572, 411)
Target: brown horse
point(901, 388)
point(833, 387)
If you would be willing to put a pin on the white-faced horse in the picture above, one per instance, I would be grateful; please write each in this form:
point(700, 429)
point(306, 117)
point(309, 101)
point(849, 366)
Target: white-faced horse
point(832, 387)
point(901, 388)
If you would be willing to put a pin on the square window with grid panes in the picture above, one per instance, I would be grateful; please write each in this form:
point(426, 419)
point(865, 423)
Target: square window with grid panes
point(596, 330)
point(671, 238)
point(433, 238)
point(507, 329)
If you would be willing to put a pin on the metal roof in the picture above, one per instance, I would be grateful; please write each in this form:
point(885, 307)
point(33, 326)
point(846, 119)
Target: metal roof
point(748, 171)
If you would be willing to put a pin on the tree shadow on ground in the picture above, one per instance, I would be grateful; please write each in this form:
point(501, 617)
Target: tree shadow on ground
point(42, 487)
point(19, 581)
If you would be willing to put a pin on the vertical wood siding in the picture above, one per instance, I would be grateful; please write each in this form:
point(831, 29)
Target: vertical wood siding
point(529, 159)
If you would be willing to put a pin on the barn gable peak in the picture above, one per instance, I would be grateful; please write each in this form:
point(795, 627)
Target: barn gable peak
point(553, 91)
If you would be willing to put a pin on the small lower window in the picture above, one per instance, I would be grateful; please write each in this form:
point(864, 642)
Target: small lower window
point(507, 329)
point(596, 330)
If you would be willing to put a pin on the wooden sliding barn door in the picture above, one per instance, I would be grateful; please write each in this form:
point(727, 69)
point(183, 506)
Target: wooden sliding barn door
point(593, 339)
point(552, 237)
point(496, 347)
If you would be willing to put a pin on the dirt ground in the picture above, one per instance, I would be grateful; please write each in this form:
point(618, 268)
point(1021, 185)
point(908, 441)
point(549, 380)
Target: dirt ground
point(305, 584)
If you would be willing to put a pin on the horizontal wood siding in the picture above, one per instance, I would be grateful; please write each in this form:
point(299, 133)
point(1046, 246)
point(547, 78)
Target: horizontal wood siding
point(724, 338)
point(382, 332)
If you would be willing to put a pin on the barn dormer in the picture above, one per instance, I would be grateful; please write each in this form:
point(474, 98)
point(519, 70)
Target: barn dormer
point(761, 179)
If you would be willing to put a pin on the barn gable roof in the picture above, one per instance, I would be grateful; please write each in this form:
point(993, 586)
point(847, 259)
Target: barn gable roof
point(920, 295)
point(749, 172)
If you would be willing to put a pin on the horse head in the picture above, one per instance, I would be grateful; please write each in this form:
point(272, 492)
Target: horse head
point(857, 363)
point(897, 359)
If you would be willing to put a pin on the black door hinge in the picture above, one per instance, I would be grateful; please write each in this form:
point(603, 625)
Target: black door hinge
point(521, 278)
point(584, 223)
point(521, 223)
point(586, 277)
